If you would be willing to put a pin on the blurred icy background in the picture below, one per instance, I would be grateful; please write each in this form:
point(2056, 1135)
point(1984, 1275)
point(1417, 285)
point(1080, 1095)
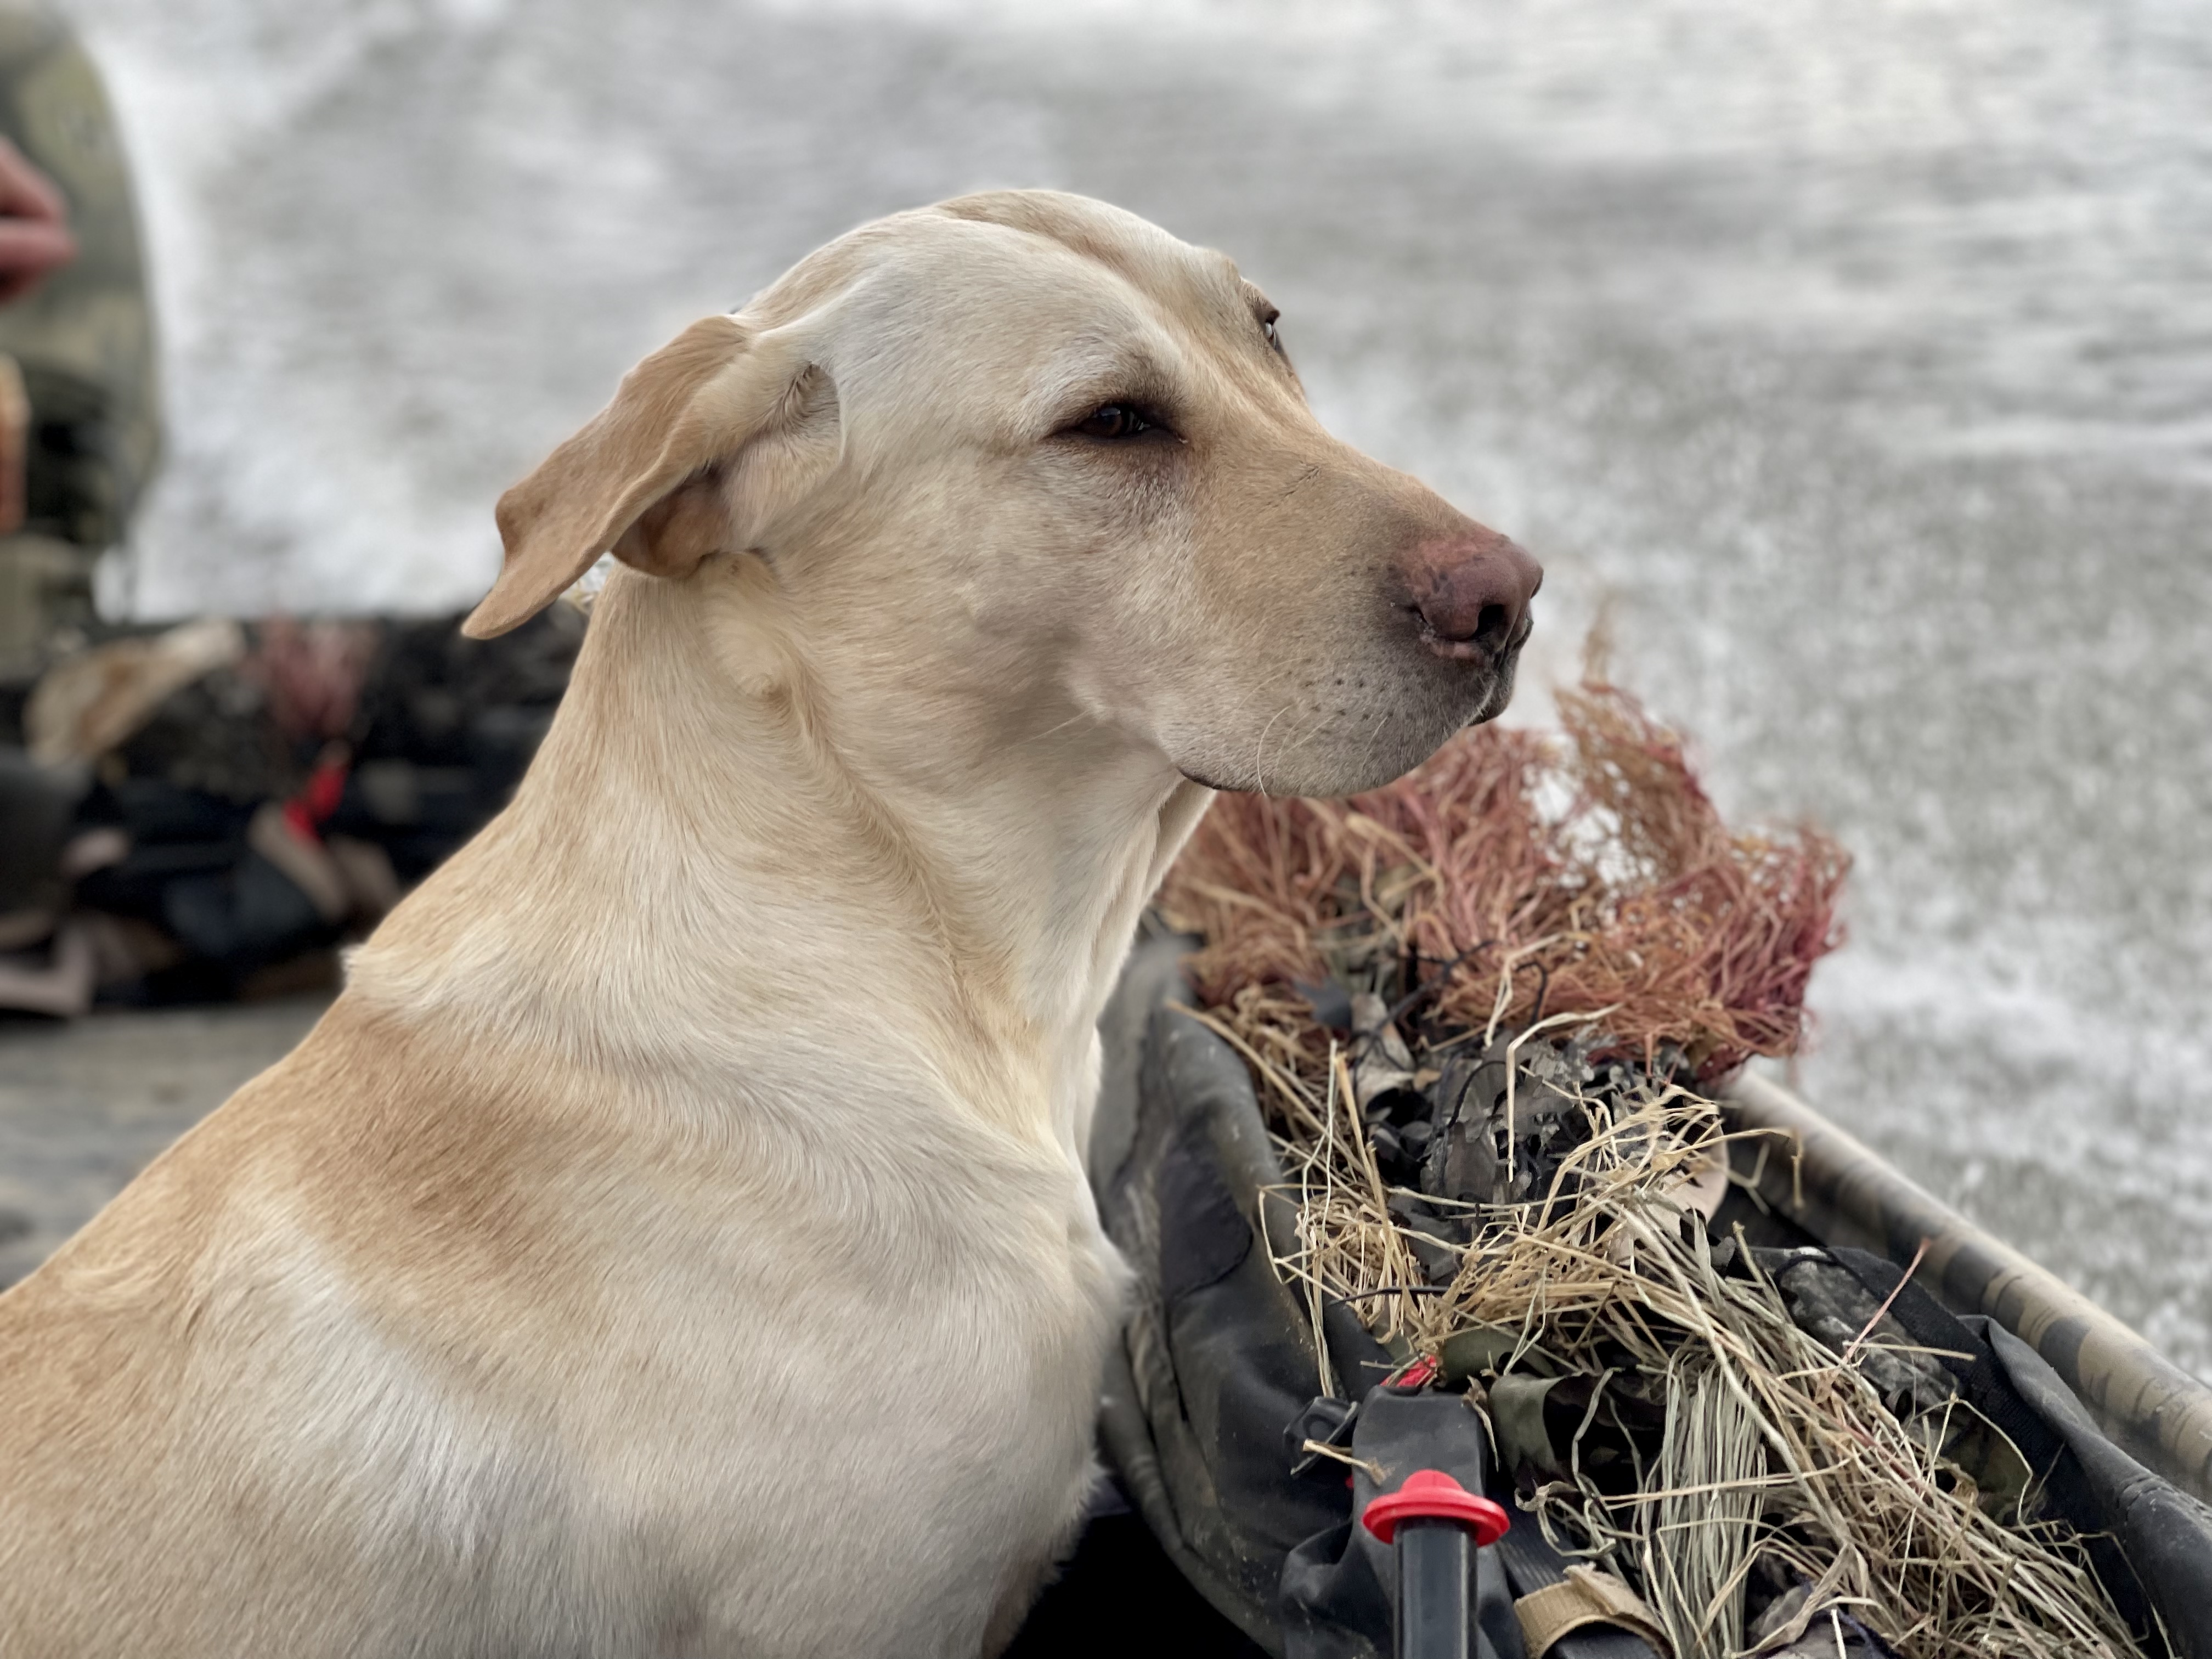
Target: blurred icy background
point(1861, 353)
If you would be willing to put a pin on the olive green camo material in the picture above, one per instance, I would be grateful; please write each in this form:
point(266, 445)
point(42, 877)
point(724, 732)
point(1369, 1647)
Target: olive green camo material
point(83, 340)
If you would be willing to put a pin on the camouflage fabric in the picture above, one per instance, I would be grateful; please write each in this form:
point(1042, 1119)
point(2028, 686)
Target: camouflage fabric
point(84, 340)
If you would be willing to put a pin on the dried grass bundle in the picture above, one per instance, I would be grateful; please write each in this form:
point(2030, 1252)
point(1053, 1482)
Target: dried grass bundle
point(1519, 889)
point(1773, 1444)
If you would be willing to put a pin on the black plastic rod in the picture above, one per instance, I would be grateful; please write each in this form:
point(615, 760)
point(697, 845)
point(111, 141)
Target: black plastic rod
point(1438, 1528)
point(1436, 1590)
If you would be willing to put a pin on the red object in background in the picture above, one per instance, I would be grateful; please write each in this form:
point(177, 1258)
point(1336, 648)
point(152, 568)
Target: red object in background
point(307, 812)
point(1432, 1495)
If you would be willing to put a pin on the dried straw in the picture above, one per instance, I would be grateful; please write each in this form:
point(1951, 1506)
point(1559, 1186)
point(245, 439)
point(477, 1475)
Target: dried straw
point(1585, 879)
point(1774, 1444)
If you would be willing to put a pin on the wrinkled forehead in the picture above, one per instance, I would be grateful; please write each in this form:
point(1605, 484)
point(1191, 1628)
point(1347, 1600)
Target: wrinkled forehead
point(1016, 318)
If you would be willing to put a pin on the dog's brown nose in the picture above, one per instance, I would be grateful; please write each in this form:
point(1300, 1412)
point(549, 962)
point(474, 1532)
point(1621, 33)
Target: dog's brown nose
point(1473, 593)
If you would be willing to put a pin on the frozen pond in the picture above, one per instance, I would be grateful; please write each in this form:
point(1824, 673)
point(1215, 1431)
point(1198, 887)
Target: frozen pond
point(1861, 354)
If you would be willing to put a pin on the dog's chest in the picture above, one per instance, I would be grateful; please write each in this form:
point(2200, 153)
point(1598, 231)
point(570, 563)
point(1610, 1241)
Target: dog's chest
point(786, 1403)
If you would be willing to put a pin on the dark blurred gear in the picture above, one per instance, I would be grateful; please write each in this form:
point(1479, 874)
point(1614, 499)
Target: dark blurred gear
point(82, 343)
point(445, 730)
point(212, 805)
point(89, 703)
point(37, 805)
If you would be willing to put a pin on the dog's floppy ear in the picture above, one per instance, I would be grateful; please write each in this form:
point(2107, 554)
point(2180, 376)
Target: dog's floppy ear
point(707, 439)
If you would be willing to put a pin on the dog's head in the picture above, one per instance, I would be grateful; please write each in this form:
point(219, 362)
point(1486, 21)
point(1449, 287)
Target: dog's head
point(1029, 453)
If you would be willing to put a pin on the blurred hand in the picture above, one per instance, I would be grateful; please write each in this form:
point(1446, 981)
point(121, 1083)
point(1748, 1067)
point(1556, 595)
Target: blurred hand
point(34, 233)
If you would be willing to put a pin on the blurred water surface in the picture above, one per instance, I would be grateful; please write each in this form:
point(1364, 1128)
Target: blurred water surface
point(1860, 354)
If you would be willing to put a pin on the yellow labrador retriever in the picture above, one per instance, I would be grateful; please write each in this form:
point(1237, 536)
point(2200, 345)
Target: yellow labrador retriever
point(675, 1240)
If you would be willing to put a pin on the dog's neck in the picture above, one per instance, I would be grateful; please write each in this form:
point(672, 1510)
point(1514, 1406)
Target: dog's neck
point(716, 845)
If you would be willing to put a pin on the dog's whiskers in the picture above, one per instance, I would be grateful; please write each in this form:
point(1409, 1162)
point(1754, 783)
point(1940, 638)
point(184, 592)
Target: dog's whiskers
point(1259, 748)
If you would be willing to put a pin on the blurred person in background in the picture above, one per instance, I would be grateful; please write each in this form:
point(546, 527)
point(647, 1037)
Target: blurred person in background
point(80, 435)
point(192, 813)
point(202, 811)
point(80, 418)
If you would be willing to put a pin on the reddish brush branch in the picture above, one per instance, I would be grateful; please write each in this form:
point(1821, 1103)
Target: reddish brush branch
point(1587, 871)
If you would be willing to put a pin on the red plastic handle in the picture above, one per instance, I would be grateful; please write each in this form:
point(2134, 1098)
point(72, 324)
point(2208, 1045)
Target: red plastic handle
point(1432, 1495)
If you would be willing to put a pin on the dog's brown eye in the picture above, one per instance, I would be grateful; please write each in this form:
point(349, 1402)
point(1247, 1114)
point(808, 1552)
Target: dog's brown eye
point(1267, 328)
point(1114, 421)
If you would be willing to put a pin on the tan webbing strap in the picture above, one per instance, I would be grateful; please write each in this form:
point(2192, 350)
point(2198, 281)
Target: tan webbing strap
point(1586, 1597)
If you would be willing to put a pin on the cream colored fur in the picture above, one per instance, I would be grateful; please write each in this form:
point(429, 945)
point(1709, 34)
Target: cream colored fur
point(675, 1240)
